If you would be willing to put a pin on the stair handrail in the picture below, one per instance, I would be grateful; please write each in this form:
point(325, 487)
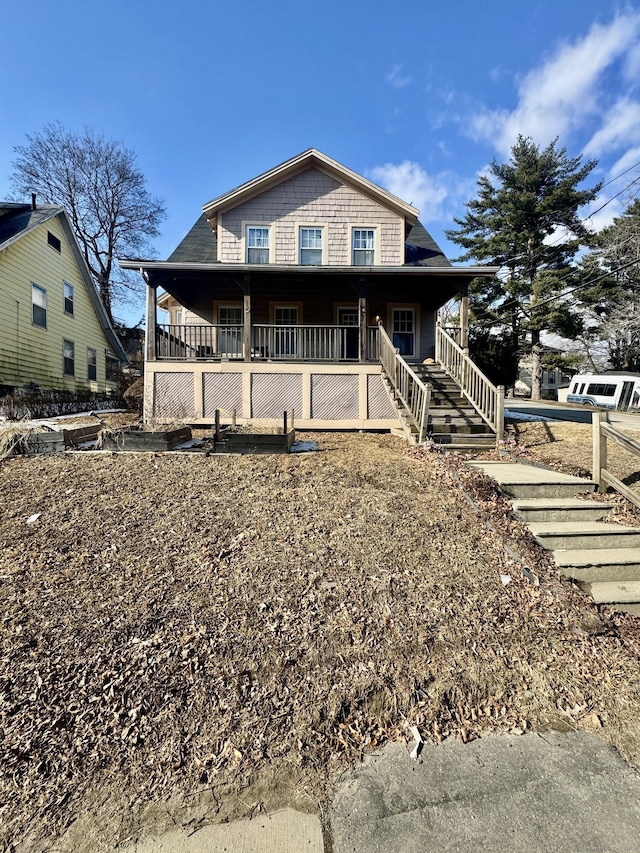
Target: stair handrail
point(485, 397)
point(602, 430)
point(408, 387)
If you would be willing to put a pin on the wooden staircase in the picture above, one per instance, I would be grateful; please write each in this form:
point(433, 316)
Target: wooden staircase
point(452, 419)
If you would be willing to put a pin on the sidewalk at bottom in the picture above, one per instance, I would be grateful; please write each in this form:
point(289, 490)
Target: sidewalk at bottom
point(538, 793)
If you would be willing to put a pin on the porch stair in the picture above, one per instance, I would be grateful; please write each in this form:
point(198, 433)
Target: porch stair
point(603, 559)
point(452, 419)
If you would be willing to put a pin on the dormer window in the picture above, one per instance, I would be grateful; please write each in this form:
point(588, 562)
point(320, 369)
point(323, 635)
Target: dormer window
point(364, 240)
point(257, 244)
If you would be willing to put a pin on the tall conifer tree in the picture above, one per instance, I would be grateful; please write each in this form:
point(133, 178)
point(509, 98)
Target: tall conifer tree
point(525, 219)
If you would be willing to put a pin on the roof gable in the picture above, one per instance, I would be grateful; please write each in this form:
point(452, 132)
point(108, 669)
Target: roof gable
point(312, 158)
point(17, 220)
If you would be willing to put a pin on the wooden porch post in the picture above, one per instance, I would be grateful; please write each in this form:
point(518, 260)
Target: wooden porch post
point(246, 331)
point(464, 318)
point(151, 319)
point(362, 318)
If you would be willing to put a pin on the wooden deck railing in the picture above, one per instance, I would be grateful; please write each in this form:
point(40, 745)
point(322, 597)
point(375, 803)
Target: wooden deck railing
point(278, 343)
point(409, 389)
point(198, 342)
point(486, 398)
point(602, 430)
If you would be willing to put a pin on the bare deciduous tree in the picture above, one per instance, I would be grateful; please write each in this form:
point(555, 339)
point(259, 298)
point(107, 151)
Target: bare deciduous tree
point(104, 193)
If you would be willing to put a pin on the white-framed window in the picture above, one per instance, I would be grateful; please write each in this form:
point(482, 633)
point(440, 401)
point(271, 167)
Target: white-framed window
point(286, 339)
point(92, 364)
point(68, 358)
point(363, 243)
point(310, 246)
point(257, 244)
point(229, 340)
point(68, 298)
point(38, 306)
point(403, 328)
point(178, 318)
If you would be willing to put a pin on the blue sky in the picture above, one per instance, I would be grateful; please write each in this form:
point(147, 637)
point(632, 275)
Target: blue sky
point(417, 96)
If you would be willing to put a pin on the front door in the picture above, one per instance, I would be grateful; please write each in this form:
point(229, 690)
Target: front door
point(625, 396)
point(230, 340)
point(348, 341)
point(403, 330)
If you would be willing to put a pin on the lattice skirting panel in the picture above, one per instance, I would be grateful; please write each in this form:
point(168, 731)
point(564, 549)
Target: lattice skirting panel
point(173, 396)
point(378, 403)
point(222, 391)
point(274, 393)
point(334, 397)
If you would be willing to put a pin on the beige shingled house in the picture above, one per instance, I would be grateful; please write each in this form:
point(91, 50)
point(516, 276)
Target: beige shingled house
point(291, 291)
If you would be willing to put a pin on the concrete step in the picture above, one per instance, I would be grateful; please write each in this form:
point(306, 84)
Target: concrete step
point(574, 535)
point(528, 481)
point(604, 564)
point(560, 509)
point(625, 592)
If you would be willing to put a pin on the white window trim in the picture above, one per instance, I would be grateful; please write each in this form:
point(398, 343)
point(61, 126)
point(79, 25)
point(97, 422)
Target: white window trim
point(376, 242)
point(322, 225)
point(46, 306)
point(274, 305)
point(245, 242)
point(73, 344)
point(64, 299)
point(406, 306)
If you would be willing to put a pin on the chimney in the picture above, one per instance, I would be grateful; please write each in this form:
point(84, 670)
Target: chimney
point(33, 201)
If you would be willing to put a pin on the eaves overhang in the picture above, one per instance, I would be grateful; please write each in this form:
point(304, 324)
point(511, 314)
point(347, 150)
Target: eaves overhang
point(308, 159)
point(297, 269)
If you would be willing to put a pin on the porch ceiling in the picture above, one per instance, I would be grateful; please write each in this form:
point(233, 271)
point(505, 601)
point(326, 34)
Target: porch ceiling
point(431, 286)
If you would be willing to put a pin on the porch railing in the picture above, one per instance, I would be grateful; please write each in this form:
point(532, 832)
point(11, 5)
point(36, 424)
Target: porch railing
point(408, 388)
point(193, 342)
point(486, 398)
point(278, 343)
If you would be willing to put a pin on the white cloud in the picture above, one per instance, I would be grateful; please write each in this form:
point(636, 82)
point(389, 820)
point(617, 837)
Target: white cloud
point(435, 196)
point(564, 93)
point(621, 127)
point(397, 78)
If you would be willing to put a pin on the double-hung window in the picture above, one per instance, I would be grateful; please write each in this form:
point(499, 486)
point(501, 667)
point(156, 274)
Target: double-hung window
point(257, 244)
point(403, 330)
point(38, 306)
point(363, 254)
point(68, 298)
point(92, 364)
point(311, 246)
point(69, 358)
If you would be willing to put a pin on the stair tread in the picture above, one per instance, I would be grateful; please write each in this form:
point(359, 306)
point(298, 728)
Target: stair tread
point(580, 528)
point(601, 557)
point(613, 592)
point(559, 503)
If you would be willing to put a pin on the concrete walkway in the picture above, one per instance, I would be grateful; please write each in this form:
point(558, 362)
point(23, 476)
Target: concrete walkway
point(286, 831)
point(537, 793)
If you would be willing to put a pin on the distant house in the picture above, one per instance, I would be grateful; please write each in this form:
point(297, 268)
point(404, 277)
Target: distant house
point(553, 378)
point(279, 295)
point(54, 331)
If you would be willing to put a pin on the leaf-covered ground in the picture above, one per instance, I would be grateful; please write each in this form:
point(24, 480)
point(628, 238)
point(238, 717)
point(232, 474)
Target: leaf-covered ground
point(247, 626)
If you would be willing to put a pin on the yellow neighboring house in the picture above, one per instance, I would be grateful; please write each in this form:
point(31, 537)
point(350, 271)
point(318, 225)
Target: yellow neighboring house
point(54, 330)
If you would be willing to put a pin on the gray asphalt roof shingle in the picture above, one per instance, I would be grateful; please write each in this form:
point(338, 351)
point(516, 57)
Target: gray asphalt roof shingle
point(19, 218)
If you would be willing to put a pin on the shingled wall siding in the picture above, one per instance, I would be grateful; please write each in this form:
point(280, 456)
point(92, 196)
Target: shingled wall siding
point(307, 199)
